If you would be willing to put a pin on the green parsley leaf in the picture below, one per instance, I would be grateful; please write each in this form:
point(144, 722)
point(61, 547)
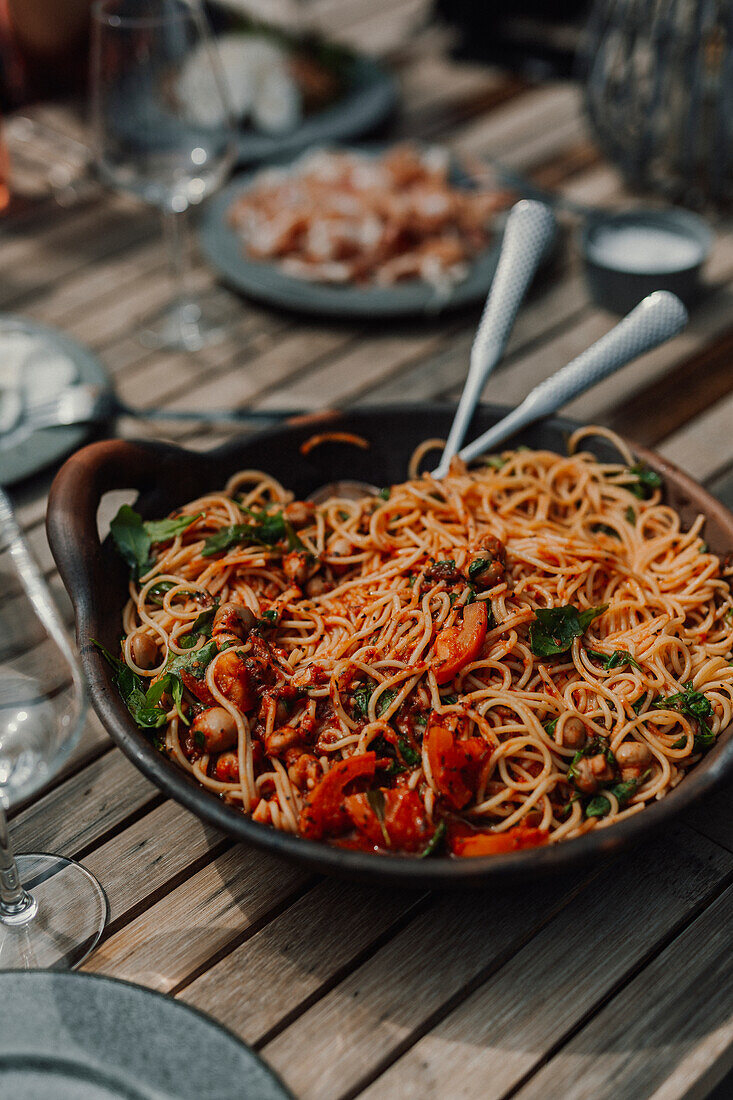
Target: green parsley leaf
point(636, 707)
point(435, 841)
point(477, 567)
point(600, 806)
point(269, 618)
point(614, 660)
point(554, 628)
point(163, 530)
point(605, 529)
point(496, 461)
point(630, 516)
point(134, 538)
point(647, 481)
point(196, 663)
point(386, 700)
point(409, 755)
point(375, 798)
point(267, 529)
point(549, 727)
point(158, 591)
point(384, 493)
point(694, 705)
point(130, 686)
point(201, 627)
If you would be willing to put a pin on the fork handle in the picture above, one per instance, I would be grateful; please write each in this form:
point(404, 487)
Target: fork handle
point(529, 229)
point(657, 318)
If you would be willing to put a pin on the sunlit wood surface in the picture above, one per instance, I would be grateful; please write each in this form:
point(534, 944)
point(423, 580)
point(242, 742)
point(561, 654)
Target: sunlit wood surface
point(616, 984)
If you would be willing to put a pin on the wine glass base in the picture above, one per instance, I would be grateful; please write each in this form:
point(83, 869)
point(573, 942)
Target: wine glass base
point(66, 923)
point(184, 326)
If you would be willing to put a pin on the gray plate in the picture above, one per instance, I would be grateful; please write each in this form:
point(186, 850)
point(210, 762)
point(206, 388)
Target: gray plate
point(267, 283)
point(23, 452)
point(69, 1036)
point(370, 96)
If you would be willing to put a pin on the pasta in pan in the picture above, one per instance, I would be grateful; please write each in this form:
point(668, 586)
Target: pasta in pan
point(514, 655)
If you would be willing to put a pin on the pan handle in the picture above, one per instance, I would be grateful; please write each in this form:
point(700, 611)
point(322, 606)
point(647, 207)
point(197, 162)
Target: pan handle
point(71, 517)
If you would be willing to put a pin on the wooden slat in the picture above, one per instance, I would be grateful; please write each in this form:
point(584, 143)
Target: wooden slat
point(187, 928)
point(495, 1037)
point(83, 808)
point(285, 966)
point(374, 1012)
point(681, 1041)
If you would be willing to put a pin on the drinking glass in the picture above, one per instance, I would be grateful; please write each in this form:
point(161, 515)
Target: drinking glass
point(161, 136)
point(52, 910)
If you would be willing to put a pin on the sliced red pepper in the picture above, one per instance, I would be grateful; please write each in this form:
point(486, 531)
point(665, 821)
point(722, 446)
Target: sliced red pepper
point(464, 844)
point(324, 811)
point(458, 645)
point(404, 827)
point(455, 764)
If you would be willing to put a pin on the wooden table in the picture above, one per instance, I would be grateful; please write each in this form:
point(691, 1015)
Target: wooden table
point(614, 984)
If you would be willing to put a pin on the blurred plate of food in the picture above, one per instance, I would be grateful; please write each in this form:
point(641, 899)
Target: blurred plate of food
point(36, 363)
point(359, 233)
point(289, 87)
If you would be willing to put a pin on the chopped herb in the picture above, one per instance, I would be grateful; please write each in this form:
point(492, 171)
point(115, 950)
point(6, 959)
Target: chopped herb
point(158, 591)
point(630, 515)
point(554, 628)
point(386, 700)
point(623, 792)
point(729, 614)
point(636, 707)
point(450, 699)
point(477, 567)
point(384, 493)
point(420, 720)
point(267, 529)
point(435, 841)
point(615, 659)
point(409, 755)
point(268, 618)
point(647, 481)
point(198, 739)
point(134, 538)
point(496, 461)
point(703, 548)
point(196, 663)
point(680, 742)
point(693, 704)
point(471, 595)
point(163, 530)
point(375, 798)
point(343, 516)
point(593, 748)
point(171, 685)
point(360, 701)
point(549, 727)
point(130, 687)
point(201, 627)
point(605, 529)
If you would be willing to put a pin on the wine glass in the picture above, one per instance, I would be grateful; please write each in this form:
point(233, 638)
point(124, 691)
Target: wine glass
point(52, 910)
point(162, 130)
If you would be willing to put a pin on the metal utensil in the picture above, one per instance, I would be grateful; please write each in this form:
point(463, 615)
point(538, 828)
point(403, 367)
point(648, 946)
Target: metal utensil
point(83, 403)
point(529, 230)
point(656, 319)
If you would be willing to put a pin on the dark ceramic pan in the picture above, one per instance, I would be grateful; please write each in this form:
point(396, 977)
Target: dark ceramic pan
point(167, 477)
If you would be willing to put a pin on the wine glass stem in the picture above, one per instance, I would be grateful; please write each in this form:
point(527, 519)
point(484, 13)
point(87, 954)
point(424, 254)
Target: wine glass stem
point(175, 232)
point(14, 900)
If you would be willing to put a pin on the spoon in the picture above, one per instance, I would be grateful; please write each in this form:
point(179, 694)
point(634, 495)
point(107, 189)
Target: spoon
point(655, 320)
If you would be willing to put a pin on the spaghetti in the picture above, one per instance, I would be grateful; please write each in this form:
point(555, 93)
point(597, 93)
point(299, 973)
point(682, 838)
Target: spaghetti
point(514, 655)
